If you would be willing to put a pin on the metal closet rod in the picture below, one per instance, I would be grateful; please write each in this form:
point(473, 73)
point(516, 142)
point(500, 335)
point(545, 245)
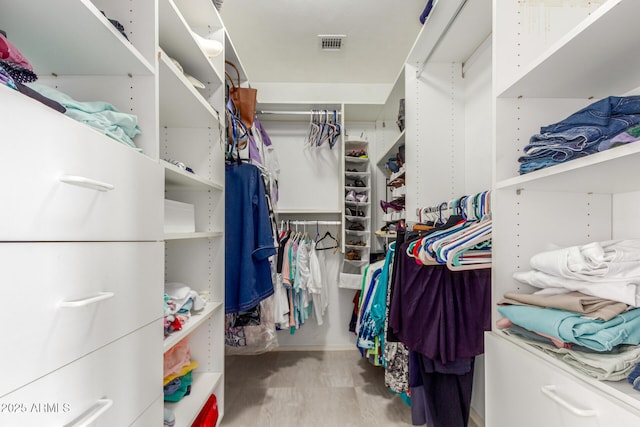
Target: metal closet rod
point(312, 222)
point(288, 113)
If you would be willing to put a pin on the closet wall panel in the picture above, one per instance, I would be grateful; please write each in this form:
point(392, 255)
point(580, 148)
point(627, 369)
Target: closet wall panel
point(435, 120)
point(309, 176)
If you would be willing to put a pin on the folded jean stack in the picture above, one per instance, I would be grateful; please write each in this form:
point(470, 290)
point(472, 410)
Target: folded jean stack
point(585, 312)
point(607, 123)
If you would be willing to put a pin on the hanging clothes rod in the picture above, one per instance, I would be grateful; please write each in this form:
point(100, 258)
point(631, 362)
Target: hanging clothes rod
point(296, 113)
point(311, 222)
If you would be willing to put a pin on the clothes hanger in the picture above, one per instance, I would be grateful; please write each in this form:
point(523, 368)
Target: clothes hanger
point(467, 246)
point(329, 235)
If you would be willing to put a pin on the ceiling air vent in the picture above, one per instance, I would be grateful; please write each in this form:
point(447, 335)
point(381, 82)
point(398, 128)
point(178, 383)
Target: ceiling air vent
point(333, 42)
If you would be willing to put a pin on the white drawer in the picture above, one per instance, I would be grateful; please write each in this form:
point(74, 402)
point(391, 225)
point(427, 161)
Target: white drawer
point(115, 383)
point(40, 148)
point(39, 334)
point(523, 389)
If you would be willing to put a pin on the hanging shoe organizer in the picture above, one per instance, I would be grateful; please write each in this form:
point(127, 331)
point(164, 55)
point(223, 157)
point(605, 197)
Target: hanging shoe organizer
point(357, 213)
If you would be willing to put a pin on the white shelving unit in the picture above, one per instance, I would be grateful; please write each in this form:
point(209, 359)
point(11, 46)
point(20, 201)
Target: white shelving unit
point(191, 132)
point(68, 234)
point(594, 198)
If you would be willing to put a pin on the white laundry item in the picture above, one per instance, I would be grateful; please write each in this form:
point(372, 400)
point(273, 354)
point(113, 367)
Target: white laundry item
point(611, 261)
point(181, 293)
point(303, 273)
point(280, 300)
point(317, 285)
point(626, 292)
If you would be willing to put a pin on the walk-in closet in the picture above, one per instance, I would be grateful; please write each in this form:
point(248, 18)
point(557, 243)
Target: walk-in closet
point(236, 213)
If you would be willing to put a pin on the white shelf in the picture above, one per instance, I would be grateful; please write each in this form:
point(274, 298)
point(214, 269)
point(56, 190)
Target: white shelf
point(391, 151)
point(178, 42)
point(197, 235)
point(187, 409)
point(357, 189)
point(231, 55)
point(365, 174)
point(200, 14)
point(608, 34)
point(179, 179)
point(399, 192)
point(356, 218)
point(440, 39)
point(348, 203)
point(191, 325)
point(619, 165)
point(351, 159)
point(398, 174)
point(357, 233)
point(69, 48)
point(181, 105)
point(357, 247)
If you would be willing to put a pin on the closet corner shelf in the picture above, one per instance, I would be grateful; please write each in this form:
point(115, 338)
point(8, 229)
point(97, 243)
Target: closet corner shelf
point(539, 79)
point(177, 41)
point(197, 235)
point(176, 178)
point(192, 324)
point(619, 164)
point(200, 14)
point(181, 105)
point(28, 27)
point(348, 187)
point(389, 152)
point(231, 54)
point(187, 409)
point(355, 142)
point(398, 174)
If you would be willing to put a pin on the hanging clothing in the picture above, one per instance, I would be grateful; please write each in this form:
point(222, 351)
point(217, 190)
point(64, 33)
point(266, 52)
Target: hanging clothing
point(318, 283)
point(248, 239)
point(440, 394)
point(440, 313)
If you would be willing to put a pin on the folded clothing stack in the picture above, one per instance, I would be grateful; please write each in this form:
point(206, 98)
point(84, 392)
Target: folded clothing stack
point(604, 124)
point(586, 311)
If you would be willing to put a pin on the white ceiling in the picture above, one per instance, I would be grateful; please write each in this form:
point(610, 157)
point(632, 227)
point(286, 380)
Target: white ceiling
point(277, 40)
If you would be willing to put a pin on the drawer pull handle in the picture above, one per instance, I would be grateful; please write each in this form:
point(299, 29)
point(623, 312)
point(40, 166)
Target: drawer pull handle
point(87, 301)
point(81, 181)
point(551, 393)
point(87, 418)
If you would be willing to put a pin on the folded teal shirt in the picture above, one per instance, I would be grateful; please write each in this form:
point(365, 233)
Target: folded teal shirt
point(571, 327)
point(100, 115)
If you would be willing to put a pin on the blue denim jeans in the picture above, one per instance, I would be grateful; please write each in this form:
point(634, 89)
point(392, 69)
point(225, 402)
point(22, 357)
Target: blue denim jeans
point(579, 134)
point(608, 114)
